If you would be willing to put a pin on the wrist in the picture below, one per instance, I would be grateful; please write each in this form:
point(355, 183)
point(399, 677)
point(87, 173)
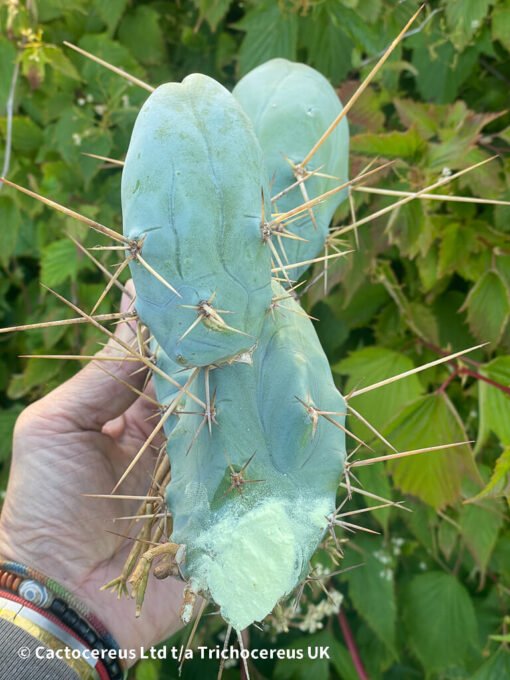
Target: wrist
point(54, 624)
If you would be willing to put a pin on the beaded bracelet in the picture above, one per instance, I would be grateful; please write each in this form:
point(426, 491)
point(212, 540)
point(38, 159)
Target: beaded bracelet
point(36, 589)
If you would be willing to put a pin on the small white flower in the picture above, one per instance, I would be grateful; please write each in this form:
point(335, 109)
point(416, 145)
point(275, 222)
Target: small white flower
point(386, 574)
point(76, 139)
point(312, 621)
point(81, 101)
point(446, 172)
point(476, 23)
point(382, 557)
point(100, 109)
point(332, 604)
point(90, 98)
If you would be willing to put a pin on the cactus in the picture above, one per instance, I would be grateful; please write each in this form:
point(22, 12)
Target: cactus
point(250, 500)
point(290, 106)
point(196, 218)
point(193, 215)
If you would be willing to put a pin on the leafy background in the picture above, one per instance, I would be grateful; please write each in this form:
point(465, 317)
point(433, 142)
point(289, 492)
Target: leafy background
point(432, 597)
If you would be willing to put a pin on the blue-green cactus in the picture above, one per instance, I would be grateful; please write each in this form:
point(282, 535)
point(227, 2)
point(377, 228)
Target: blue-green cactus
point(192, 189)
point(254, 473)
point(250, 500)
point(291, 105)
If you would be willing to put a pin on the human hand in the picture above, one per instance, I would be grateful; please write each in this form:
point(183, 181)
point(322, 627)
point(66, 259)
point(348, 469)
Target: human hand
point(78, 440)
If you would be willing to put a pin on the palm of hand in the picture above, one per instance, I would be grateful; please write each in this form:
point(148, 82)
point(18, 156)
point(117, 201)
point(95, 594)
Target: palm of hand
point(79, 440)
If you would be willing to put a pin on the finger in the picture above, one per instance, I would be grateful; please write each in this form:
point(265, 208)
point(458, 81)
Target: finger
point(101, 391)
point(138, 421)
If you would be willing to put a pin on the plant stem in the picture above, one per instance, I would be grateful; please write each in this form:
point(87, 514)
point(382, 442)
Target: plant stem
point(442, 388)
point(479, 376)
point(9, 112)
point(351, 646)
point(460, 370)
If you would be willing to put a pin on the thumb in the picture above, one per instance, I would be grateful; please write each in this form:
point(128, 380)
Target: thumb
point(101, 391)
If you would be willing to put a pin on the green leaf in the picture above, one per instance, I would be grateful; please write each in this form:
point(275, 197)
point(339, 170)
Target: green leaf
point(141, 33)
point(457, 241)
point(375, 479)
point(371, 586)
point(110, 12)
point(270, 32)
point(341, 661)
point(329, 48)
point(149, 669)
point(27, 137)
point(434, 477)
point(496, 667)
point(447, 538)
point(501, 25)
point(68, 135)
point(7, 60)
point(422, 522)
point(369, 10)
point(104, 84)
point(37, 374)
point(480, 526)
point(408, 228)
point(488, 306)
point(409, 145)
point(52, 9)
point(59, 261)
point(440, 620)
point(9, 219)
point(421, 115)
point(213, 11)
point(494, 404)
point(423, 322)
point(499, 483)
point(7, 420)
point(58, 60)
point(301, 667)
point(368, 366)
point(441, 71)
point(464, 18)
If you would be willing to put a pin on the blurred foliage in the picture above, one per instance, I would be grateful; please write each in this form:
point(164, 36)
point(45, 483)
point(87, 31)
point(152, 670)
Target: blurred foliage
point(433, 276)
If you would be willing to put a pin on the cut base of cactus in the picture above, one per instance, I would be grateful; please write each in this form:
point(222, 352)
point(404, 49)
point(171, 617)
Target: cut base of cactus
point(249, 560)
